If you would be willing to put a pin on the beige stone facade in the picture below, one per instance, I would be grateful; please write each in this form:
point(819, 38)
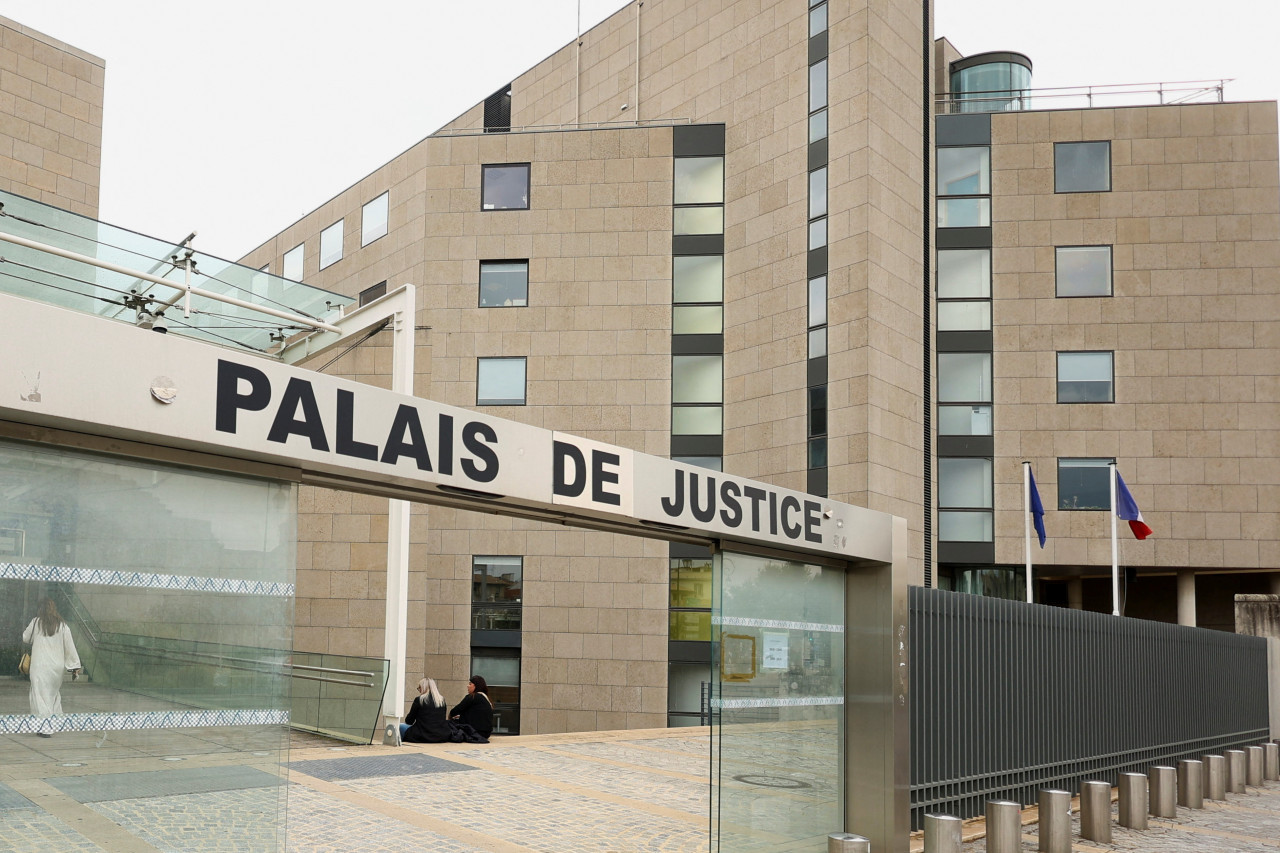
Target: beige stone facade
point(50, 119)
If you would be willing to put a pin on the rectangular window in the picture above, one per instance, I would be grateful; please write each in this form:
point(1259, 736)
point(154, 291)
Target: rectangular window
point(697, 278)
point(293, 263)
point(697, 420)
point(331, 245)
point(500, 669)
point(964, 274)
point(818, 301)
point(504, 284)
point(500, 381)
point(818, 126)
point(818, 342)
point(699, 180)
point(373, 220)
point(713, 463)
point(504, 187)
point(818, 233)
point(964, 420)
point(817, 20)
point(818, 452)
point(496, 593)
point(697, 320)
point(369, 294)
point(964, 212)
point(698, 220)
point(964, 377)
point(964, 316)
point(1084, 484)
point(818, 86)
point(1086, 377)
point(818, 410)
point(697, 378)
point(689, 599)
point(1083, 270)
point(818, 193)
point(1082, 167)
point(964, 171)
point(964, 499)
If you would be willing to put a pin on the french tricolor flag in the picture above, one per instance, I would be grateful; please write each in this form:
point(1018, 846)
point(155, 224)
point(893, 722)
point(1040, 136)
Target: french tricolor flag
point(1127, 509)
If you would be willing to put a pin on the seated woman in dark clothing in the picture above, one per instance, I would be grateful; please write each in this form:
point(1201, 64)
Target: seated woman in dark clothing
point(425, 722)
point(476, 708)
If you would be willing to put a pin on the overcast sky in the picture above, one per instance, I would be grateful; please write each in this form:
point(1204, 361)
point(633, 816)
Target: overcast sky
point(236, 118)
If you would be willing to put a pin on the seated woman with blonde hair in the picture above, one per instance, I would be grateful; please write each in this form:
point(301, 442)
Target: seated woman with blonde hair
point(426, 721)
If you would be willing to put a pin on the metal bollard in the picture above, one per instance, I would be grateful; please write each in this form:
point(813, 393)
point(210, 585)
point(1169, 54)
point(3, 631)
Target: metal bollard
point(1133, 801)
point(1055, 822)
point(843, 842)
point(1164, 791)
point(1004, 826)
point(1271, 761)
point(1095, 812)
point(1235, 771)
point(942, 834)
point(1191, 784)
point(1253, 774)
point(1215, 777)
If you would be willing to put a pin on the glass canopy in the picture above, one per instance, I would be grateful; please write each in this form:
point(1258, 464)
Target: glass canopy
point(46, 277)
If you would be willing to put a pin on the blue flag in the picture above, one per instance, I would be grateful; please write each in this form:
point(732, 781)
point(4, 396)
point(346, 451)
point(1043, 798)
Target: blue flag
point(1037, 508)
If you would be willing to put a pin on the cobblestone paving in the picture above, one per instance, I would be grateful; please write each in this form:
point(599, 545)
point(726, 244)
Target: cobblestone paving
point(319, 823)
point(37, 831)
point(231, 821)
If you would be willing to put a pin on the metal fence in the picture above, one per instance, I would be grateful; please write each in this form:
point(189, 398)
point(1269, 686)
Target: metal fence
point(1009, 698)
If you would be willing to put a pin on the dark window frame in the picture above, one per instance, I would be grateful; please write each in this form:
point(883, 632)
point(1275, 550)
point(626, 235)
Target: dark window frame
point(480, 281)
point(524, 400)
point(517, 606)
point(1058, 378)
point(1110, 181)
point(1110, 460)
point(528, 185)
point(1111, 271)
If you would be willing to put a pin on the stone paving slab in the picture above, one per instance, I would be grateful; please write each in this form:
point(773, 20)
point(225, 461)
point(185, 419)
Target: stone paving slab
point(11, 799)
point(356, 767)
point(162, 783)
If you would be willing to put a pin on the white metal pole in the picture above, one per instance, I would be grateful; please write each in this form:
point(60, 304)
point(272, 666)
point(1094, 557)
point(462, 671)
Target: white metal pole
point(395, 638)
point(1115, 550)
point(1026, 521)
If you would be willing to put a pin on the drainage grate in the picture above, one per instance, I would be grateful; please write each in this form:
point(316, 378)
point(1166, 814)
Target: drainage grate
point(336, 769)
point(162, 783)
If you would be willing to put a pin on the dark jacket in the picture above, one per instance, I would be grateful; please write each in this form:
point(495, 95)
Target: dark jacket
point(426, 723)
point(476, 711)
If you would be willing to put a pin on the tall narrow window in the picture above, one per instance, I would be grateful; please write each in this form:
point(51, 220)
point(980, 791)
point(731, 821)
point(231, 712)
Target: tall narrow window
point(373, 220)
point(817, 316)
point(964, 187)
point(964, 290)
point(331, 245)
point(964, 499)
point(497, 593)
point(964, 393)
point(698, 195)
point(697, 393)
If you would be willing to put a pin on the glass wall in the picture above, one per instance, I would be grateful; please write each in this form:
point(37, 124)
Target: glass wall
point(176, 589)
point(778, 736)
point(991, 87)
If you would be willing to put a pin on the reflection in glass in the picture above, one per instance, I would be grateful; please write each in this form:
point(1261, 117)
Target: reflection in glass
point(818, 342)
point(697, 420)
point(964, 526)
point(698, 220)
point(817, 452)
point(964, 171)
point(964, 482)
point(818, 233)
point(1083, 270)
point(496, 593)
point(818, 126)
point(713, 463)
point(697, 378)
point(818, 301)
point(964, 316)
point(293, 263)
point(818, 85)
point(964, 273)
point(964, 212)
point(1084, 377)
point(331, 244)
point(699, 180)
point(964, 420)
point(500, 669)
point(991, 87)
point(373, 220)
point(778, 631)
point(504, 284)
point(505, 187)
point(697, 319)
point(992, 581)
point(818, 193)
point(500, 381)
point(817, 20)
point(697, 278)
point(1084, 483)
point(964, 377)
point(1081, 167)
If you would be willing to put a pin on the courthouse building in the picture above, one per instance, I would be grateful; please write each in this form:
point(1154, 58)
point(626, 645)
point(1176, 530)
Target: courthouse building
point(798, 242)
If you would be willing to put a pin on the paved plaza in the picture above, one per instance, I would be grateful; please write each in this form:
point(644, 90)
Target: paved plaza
point(613, 792)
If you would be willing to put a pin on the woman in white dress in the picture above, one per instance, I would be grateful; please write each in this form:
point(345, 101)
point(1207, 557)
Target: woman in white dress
point(53, 652)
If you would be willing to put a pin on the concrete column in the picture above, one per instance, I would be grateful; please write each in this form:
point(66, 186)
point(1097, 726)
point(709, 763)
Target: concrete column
point(1055, 822)
point(1187, 597)
point(1075, 594)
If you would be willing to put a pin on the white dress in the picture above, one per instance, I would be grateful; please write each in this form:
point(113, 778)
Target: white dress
point(51, 657)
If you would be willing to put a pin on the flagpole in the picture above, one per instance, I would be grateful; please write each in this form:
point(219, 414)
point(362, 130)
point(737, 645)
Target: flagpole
point(1115, 549)
point(1026, 521)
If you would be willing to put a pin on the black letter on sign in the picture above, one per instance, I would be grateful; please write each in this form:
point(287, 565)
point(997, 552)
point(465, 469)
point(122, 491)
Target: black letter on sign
point(599, 477)
point(790, 503)
point(298, 393)
point(344, 443)
point(445, 459)
point(731, 515)
point(812, 519)
point(471, 435)
point(674, 506)
point(703, 514)
point(229, 397)
point(413, 445)
point(560, 482)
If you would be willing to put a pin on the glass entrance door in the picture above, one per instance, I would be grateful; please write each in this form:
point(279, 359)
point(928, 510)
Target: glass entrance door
point(778, 705)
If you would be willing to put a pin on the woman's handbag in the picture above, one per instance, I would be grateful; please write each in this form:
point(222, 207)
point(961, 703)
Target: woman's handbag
point(24, 665)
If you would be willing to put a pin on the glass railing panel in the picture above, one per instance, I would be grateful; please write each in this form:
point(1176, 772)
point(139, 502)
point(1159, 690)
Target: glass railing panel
point(339, 696)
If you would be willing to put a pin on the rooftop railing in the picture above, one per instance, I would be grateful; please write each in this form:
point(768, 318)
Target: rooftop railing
point(1084, 97)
